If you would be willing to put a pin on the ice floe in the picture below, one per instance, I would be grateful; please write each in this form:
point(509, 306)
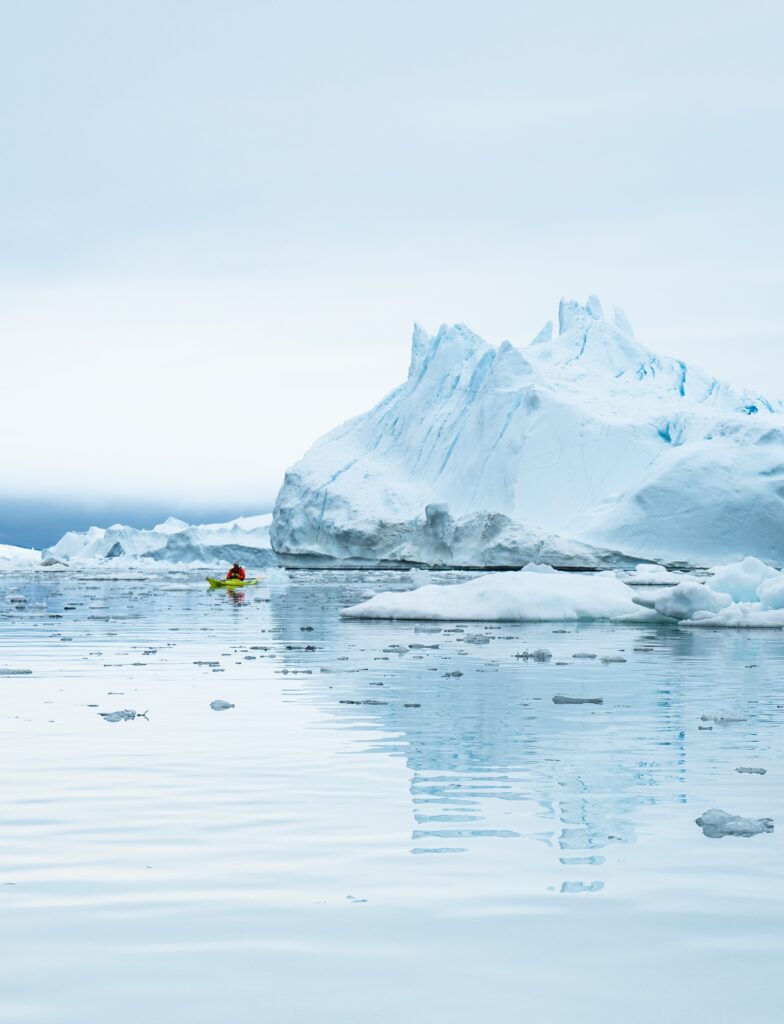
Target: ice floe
point(521, 596)
point(716, 824)
point(532, 595)
point(125, 715)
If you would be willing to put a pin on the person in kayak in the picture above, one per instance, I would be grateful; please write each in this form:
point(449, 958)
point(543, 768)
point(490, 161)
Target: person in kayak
point(236, 572)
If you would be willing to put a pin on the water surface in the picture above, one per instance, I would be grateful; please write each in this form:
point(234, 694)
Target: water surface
point(367, 835)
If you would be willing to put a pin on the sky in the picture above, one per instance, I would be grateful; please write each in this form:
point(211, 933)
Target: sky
point(218, 222)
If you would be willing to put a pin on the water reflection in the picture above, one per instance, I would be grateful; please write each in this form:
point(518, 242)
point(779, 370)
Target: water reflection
point(489, 754)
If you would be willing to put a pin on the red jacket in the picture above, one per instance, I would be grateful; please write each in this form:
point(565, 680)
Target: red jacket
point(235, 574)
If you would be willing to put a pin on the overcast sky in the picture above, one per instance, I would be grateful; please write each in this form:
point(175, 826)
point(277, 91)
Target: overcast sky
point(218, 221)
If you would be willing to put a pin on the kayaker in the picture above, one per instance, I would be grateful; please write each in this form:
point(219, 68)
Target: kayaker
point(236, 572)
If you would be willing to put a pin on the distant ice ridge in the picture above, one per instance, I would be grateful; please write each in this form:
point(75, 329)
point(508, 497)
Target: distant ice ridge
point(173, 542)
point(748, 593)
point(583, 448)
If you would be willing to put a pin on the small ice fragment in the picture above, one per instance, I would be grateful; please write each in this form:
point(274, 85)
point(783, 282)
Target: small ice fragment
point(540, 654)
point(583, 655)
point(221, 705)
point(716, 824)
point(582, 886)
point(610, 659)
point(126, 715)
point(752, 771)
point(721, 719)
point(16, 671)
point(476, 638)
point(560, 699)
point(453, 675)
point(412, 705)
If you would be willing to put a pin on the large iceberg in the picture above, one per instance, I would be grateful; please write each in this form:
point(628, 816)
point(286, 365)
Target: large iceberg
point(173, 542)
point(582, 449)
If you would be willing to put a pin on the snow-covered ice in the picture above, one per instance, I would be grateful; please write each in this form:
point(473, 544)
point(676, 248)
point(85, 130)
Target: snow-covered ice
point(745, 593)
point(584, 448)
point(530, 595)
point(522, 596)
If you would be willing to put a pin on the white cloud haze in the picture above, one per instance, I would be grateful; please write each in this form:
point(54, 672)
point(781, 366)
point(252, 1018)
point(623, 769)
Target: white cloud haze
point(218, 223)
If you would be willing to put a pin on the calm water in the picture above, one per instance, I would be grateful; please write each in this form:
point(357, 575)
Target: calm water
point(461, 849)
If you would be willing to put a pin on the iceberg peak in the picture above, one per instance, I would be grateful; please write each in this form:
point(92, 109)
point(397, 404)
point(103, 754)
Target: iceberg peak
point(571, 314)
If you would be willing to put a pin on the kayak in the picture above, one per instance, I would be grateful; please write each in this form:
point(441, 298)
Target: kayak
point(232, 583)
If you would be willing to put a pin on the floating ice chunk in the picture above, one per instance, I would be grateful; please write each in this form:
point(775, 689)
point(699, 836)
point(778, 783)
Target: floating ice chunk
point(771, 592)
point(126, 715)
point(221, 705)
point(722, 719)
point(16, 671)
point(752, 771)
point(716, 824)
point(522, 596)
point(541, 654)
point(582, 886)
point(741, 580)
point(275, 576)
point(650, 575)
point(685, 600)
point(419, 578)
point(560, 699)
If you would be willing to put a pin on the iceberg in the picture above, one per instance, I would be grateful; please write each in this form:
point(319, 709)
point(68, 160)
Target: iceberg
point(12, 557)
point(172, 542)
point(583, 449)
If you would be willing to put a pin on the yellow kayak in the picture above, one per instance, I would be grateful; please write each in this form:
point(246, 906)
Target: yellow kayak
point(232, 583)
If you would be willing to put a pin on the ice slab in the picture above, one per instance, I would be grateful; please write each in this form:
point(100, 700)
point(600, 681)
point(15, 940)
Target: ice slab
point(716, 824)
